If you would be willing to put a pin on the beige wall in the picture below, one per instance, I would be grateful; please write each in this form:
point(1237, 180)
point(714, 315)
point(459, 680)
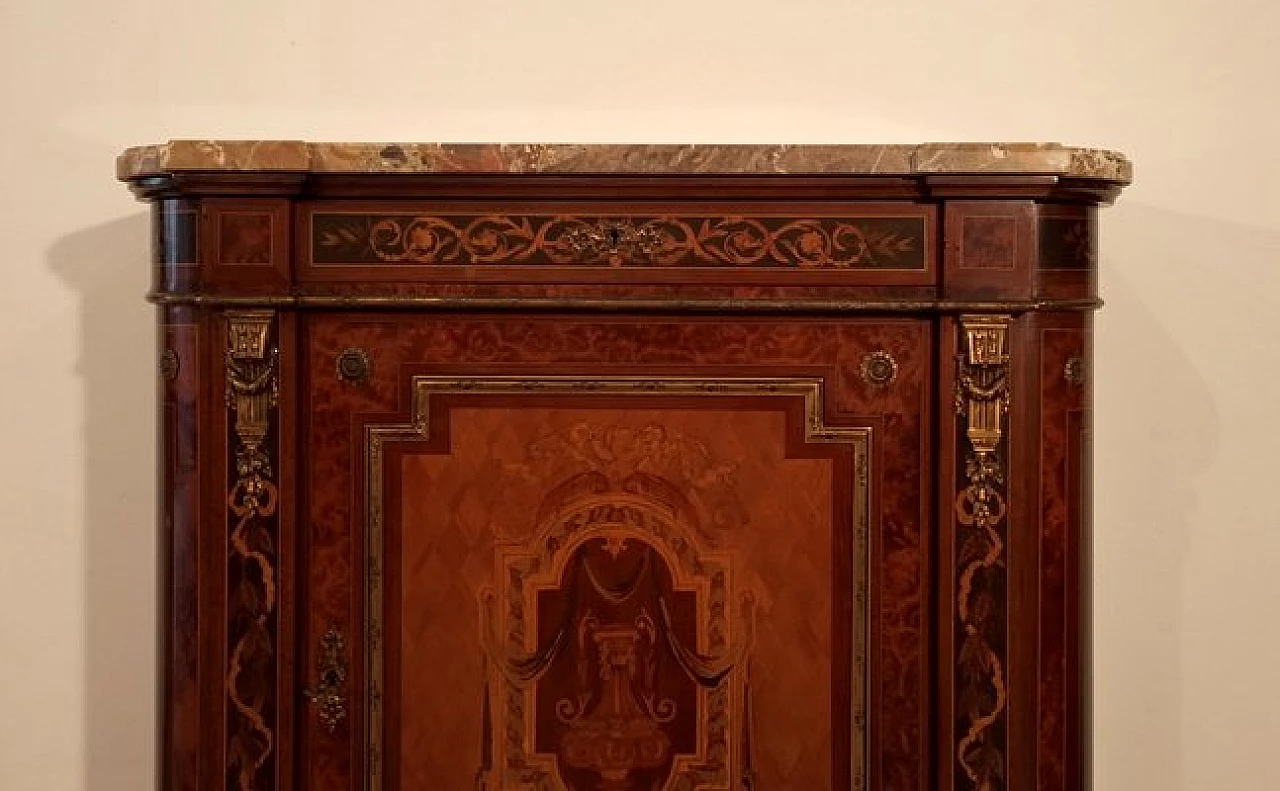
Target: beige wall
point(1188, 550)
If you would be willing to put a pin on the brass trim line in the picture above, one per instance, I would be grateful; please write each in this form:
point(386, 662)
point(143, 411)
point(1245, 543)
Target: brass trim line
point(622, 305)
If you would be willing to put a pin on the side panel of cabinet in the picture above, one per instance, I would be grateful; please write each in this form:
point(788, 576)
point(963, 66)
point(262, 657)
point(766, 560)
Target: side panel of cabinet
point(183, 435)
point(523, 528)
point(1063, 365)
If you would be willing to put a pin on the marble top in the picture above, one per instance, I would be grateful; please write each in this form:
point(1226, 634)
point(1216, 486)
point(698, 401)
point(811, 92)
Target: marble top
point(297, 156)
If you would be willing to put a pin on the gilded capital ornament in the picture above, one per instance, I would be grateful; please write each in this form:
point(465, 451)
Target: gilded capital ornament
point(982, 402)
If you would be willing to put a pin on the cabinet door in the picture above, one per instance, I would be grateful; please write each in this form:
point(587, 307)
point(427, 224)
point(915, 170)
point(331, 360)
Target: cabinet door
point(595, 554)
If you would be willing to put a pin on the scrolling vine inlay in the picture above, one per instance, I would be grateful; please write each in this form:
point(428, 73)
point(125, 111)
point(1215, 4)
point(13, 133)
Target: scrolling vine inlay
point(251, 396)
point(982, 400)
point(871, 242)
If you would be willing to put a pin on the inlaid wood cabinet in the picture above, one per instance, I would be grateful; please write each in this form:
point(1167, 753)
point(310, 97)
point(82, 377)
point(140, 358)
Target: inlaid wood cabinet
point(623, 468)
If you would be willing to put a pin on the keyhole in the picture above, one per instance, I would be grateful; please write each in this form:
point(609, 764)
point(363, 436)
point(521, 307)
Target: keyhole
point(615, 236)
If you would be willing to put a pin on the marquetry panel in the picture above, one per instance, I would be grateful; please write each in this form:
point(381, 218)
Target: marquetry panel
point(890, 243)
point(642, 536)
point(988, 242)
point(712, 241)
point(245, 237)
point(246, 242)
point(598, 351)
point(989, 249)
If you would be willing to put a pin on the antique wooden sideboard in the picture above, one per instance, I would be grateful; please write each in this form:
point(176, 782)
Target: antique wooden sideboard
point(624, 468)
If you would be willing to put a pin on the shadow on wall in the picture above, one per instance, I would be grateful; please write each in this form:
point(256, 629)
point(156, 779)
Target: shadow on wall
point(1156, 434)
point(108, 266)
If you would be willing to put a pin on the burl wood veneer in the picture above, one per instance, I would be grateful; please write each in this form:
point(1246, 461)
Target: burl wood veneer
point(624, 468)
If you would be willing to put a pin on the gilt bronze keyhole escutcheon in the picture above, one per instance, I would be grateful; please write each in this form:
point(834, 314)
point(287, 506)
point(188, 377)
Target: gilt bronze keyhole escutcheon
point(331, 670)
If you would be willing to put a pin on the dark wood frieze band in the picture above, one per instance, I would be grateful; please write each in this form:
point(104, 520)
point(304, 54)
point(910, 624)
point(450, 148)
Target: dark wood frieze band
point(982, 397)
point(872, 242)
point(252, 391)
point(583, 305)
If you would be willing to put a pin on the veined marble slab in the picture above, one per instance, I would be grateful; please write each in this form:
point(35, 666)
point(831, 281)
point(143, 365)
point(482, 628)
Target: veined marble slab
point(297, 156)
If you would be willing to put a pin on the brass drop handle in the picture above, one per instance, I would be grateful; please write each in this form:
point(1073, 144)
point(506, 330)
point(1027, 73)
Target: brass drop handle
point(331, 669)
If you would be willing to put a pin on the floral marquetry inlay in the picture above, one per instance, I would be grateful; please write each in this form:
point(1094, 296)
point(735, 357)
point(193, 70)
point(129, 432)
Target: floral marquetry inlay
point(871, 242)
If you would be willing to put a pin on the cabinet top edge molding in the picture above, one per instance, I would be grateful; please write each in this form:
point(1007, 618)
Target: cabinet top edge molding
point(297, 156)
